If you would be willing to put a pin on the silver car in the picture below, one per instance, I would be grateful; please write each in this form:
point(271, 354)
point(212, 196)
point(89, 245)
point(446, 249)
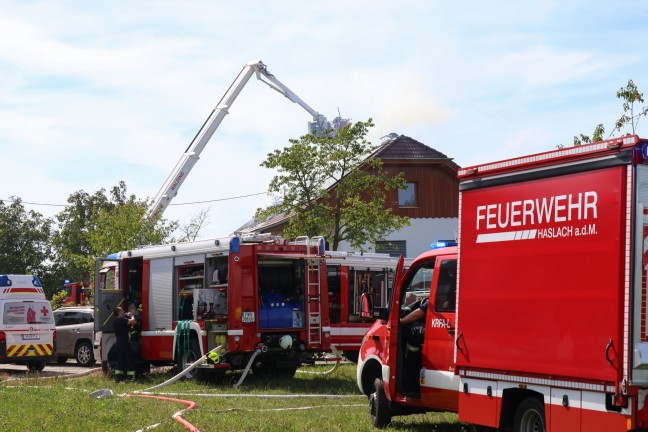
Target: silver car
point(75, 335)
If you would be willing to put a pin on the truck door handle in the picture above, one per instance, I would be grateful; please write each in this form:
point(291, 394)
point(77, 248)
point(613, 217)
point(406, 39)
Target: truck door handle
point(607, 352)
point(451, 331)
point(457, 342)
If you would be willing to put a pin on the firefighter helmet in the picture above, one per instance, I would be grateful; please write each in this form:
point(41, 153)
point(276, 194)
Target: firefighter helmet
point(285, 342)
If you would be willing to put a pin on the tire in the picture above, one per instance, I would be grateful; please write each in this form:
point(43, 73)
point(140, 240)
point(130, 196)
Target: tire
point(61, 360)
point(268, 368)
point(188, 358)
point(379, 405)
point(84, 354)
point(530, 416)
point(36, 365)
point(352, 356)
point(286, 372)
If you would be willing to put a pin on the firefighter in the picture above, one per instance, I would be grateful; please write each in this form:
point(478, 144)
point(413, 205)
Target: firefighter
point(416, 314)
point(414, 337)
point(124, 353)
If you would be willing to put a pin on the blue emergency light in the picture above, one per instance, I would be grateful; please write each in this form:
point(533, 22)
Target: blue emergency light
point(235, 245)
point(5, 281)
point(443, 244)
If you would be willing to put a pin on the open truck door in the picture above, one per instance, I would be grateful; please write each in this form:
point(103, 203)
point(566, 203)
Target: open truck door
point(393, 329)
point(108, 293)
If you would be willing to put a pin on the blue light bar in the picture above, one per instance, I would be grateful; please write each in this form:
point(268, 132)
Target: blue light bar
point(5, 281)
point(36, 282)
point(235, 245)
point(443, 244)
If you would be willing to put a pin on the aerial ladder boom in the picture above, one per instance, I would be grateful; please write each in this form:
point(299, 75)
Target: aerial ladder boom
point(191, 155)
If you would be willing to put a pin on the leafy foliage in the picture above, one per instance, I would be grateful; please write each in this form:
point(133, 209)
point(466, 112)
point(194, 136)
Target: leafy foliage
point(98, 224)
point(632, 113)
point(57, 300)
point(24, 239)
point(630, 95)
point(330, 188)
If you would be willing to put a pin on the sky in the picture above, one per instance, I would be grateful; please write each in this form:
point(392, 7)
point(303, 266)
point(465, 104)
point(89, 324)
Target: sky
point(94, 93)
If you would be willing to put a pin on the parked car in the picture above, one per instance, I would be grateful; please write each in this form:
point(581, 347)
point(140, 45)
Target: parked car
point(75, 336)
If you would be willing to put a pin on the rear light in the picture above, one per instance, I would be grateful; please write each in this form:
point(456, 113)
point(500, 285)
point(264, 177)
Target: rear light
point(54, 339)
point(3, 344)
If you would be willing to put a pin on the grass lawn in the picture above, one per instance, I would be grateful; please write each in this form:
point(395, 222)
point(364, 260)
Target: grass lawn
point(64, 405)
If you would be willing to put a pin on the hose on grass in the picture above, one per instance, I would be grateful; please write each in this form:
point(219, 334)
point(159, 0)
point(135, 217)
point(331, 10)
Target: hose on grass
point(338, 359)
point(145, 393)
point(176, 416)
point(247, 368)
point(182, 373)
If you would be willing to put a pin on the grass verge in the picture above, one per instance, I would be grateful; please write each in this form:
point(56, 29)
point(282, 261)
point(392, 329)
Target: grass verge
point(65, 405)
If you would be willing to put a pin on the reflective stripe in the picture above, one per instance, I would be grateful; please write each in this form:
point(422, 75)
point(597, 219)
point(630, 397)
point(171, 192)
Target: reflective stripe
point(29, 350)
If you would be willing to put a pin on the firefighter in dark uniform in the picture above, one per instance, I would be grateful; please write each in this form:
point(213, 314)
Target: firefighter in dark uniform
point(124, 354)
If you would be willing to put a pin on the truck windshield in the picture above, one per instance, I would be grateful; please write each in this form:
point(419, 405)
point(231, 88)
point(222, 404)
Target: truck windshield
point(417, 287)
point(28, 312)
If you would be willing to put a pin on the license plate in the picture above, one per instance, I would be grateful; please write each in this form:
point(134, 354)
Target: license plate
point(30, 337)
point(247, 317)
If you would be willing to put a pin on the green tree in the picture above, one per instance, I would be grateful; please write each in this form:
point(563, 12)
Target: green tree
point(330, 187)
point(24, 239)
point(631, 113)
point(126, 226)
point(97, 224)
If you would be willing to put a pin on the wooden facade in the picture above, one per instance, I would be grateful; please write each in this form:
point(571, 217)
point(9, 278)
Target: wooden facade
point(433, 173)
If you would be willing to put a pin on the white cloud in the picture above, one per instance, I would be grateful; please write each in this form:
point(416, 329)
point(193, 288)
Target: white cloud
point(116, 91)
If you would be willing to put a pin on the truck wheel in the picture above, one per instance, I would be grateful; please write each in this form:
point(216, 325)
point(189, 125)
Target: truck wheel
point(188, 358)
point(379, 405)
point(36, 365)
point(352, 356)
point(83, 354)
point(529, 416)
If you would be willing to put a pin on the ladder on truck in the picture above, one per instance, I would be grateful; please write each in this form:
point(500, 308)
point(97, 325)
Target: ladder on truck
point(314, 300)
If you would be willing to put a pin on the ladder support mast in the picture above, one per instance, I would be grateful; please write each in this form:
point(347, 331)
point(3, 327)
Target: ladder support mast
point(191, 155)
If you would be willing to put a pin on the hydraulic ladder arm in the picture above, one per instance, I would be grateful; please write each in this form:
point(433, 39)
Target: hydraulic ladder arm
point(191, 155)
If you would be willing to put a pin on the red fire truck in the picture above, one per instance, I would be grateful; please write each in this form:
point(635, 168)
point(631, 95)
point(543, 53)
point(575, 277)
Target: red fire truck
point(78, 293)
point(359, 287)
point(243, 295)
point(548, 330)
point(237, 296)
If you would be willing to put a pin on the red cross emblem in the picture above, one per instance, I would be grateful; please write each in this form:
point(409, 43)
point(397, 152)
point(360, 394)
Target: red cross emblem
point(44, 311)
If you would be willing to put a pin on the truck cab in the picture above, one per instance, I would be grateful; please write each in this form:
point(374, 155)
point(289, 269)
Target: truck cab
point(405, 367)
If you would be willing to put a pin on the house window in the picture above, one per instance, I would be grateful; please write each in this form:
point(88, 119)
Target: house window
point(394, 248)
point(407, 196)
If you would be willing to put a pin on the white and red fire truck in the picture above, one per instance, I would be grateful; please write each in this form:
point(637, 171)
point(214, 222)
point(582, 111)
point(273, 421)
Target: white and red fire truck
point(359, 287)
point(291, 301)
point(548, 331)
point(239, 296)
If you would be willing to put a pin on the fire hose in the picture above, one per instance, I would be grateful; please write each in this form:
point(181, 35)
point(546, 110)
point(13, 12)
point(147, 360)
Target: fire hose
point(145, 393)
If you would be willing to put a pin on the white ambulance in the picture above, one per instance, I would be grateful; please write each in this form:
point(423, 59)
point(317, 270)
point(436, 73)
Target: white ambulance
point(27, 330)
